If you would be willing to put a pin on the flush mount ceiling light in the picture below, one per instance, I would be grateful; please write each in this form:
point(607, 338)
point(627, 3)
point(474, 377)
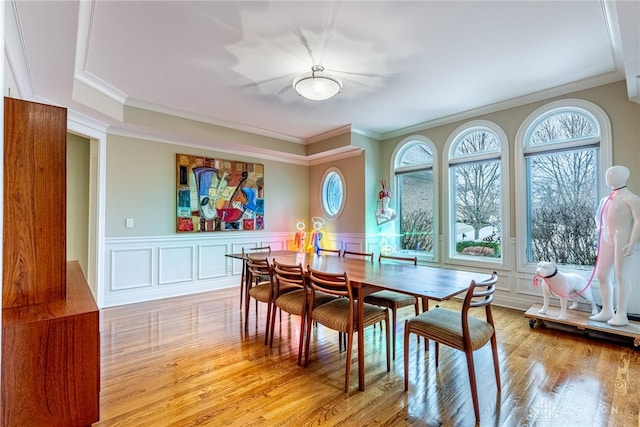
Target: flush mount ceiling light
point(317, 85)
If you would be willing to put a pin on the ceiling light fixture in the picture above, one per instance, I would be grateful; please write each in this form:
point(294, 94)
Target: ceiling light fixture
point(317, 85)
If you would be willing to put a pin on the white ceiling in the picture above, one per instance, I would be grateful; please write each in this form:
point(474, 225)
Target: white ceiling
point(404, 65)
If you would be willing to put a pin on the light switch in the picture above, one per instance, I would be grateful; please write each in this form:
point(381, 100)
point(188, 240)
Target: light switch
point(129, 222)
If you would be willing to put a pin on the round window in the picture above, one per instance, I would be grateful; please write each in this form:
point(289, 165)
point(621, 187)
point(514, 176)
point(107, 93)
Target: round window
point(332, 192)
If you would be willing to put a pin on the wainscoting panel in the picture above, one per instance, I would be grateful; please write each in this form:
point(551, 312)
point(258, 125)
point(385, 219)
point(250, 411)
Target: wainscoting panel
point(209, 265)
point(131, 268)
point(176, 264)
point(147, 268)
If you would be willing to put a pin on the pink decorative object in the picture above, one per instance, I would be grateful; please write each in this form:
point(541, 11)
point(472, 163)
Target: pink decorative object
point(384, 213)
point(384, 192)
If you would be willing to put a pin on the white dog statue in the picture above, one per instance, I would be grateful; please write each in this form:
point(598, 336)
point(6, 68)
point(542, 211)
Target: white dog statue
point(565, 286)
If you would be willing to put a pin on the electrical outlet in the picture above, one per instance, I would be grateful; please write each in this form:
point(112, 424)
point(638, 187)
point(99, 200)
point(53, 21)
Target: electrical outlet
point(129, 223)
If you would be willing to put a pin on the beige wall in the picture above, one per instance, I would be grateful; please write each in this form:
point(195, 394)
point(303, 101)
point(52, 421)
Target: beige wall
point(612, 98)
point(141, 177)
point(362, 175)
point(372, 177)
point(141, 184)
point(78, 149)
point(350, 220)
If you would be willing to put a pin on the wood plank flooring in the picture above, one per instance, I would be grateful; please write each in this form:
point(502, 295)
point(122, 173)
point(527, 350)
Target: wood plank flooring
point(187, 362)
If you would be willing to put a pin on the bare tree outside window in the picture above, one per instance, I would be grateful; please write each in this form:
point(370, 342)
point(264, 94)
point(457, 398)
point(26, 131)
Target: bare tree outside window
point(563, 187)
point(415, 192)
point(416, 212)
point(478, 195)
point(476, 182)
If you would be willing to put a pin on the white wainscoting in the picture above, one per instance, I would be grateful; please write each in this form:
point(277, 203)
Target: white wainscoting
point(148, 268)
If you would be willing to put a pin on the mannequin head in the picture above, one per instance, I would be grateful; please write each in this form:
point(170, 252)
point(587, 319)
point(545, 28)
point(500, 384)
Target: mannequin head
point(617, 176)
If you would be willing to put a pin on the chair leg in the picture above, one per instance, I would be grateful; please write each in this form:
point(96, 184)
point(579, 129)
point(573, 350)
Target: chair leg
point(272, 322)
point(301, 339)
point(246, 313)
point(394, 311)
point(496, 363)
point(270, 307)
point(417, 309)
point(394, 340)
point(243, 281)
point(307, 339)
point(472, 382)
point(437, 350)
point(348, 372)
point(407, 333)
point(342, 342)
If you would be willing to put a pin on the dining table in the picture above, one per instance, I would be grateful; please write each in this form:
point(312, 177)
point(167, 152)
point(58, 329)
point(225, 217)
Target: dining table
point(366, 277)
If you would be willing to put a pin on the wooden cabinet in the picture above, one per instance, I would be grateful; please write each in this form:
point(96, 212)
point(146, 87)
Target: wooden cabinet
point(35, 203)
point(50, 321)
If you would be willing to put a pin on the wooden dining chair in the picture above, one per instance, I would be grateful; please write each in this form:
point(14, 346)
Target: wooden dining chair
point(324, 251)
point(245, 252)
point(291, 296)
point(362, 255)
point(261, 290)
point(341, 313)
point(460, 330)
point(394, 300)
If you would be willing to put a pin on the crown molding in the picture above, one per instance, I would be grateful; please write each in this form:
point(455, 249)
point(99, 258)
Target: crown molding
point(237, 150)
point(547, 94)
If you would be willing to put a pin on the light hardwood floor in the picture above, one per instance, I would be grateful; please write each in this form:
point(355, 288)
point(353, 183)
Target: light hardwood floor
point(186, 362)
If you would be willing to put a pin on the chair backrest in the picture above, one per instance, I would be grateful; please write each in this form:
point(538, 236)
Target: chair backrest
point(258, 249)
point(290, 275)
point(259, 266)
point(331, 283)
point(363, 255)
point(395, 258)
point(479, 294)
point(322, 251)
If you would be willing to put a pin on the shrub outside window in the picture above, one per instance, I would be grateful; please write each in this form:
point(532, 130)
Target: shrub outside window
point(416, 197)
point(478, 195)
point(562, 174)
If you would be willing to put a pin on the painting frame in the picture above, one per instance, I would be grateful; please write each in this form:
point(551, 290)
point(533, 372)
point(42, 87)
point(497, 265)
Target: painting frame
point(215, 194)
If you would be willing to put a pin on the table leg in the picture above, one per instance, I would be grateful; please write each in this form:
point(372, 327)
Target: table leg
point(244, 280)
point(360, 341)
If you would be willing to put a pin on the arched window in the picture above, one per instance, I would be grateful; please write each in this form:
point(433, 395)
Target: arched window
point(415, 187)
point(563, 151)
point(478, 193)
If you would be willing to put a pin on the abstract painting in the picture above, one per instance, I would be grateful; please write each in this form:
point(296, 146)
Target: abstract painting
point(218, 194)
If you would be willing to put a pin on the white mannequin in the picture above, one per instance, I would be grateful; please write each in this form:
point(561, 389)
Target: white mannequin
point(619, 218)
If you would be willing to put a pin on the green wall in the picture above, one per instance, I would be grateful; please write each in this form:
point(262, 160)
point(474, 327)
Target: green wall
point(141, 184)
point(78, 149)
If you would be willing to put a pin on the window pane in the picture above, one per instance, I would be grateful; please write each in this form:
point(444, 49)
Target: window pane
point(476, 142)
point(415, 154)
point(332, 193)
point(564, 126)
point(478, 207)
point(416, 210)
point(563, 198)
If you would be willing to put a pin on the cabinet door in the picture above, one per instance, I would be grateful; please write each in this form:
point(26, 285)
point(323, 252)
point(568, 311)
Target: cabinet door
point(34, 235)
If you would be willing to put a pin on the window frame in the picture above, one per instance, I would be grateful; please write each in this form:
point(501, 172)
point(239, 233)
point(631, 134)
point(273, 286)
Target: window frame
point(399, 170)
point(604, 162)
point(450, 257)
point(328, 174)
